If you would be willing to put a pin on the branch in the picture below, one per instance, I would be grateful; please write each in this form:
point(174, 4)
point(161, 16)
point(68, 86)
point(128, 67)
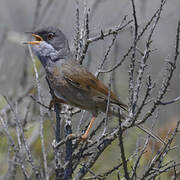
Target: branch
point(134, 170)
point(41, 116)
point(171, 66)
point(161, 152)
point(138, 38)
point(132, 64)
point(170, 102)
point(68, 158)
point(106, 55)
point(121, 145)
point(108, 33)
point(59, 169)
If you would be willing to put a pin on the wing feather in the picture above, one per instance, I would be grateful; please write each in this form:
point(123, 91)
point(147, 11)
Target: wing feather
point(73, 74)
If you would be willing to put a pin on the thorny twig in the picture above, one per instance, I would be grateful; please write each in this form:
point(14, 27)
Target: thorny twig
point(160, 154)
point(170, 102)
point(108, 32)
point(136, 163)
point(132, 64)
point(138, 38)
point(106, 55)
point(107, 107)
point(144, 59)
point(123, 155)
point(41, 116)
point(166, 79)
point(22, 143)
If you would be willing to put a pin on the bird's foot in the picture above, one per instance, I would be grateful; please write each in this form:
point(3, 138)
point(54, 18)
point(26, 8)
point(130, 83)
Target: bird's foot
point(84, 137)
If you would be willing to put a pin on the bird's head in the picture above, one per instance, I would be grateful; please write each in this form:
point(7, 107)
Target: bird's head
point(49, 41)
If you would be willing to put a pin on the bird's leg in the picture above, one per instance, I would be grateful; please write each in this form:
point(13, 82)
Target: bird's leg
point(85, 135)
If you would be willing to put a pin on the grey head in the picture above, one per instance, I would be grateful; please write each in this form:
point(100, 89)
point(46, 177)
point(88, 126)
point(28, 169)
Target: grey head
point(54, 37)
point(50, 45)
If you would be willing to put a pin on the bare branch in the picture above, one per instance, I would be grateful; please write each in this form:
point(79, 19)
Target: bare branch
point(41, 116)
point(123, 155)
point(138, 38)
point(170, 102)
point(160, 153)
point(108, 32)
point(106, 55)
point(132, 63)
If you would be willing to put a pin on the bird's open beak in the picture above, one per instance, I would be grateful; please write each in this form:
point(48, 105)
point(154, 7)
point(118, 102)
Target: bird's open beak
point(38, 40)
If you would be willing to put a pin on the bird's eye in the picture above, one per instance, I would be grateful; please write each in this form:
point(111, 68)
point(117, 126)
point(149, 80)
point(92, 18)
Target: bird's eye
point(50, 36)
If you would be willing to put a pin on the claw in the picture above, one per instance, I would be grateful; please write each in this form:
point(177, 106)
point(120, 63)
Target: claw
point(84, 137)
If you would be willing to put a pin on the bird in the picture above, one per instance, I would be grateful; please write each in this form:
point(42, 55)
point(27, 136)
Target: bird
point(71, 82)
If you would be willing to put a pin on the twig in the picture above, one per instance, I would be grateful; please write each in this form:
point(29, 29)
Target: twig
point(138, 38)
point(41, 116)
point(145, 58)
point(170, 102)
point(85, 33)
point(134, 171)
point(68, 158)
point(161, 152)
point(158, 139)
point(108, 50)
point(144, 102)
point(108, 32)
point(8, 135)
point(107, 107)
point(176, 174)
point(38, 102)
point(166, 79)
point(7, 109)
point(77, 42)
point(159, 172)
point(59, 169)
point(18, 157)
point(117, 167)
point(132, 64)
point(95, 176)
point(106, 55)
point(121, 145)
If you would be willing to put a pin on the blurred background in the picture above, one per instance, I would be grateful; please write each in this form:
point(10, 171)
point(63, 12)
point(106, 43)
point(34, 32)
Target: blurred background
point(16, 71)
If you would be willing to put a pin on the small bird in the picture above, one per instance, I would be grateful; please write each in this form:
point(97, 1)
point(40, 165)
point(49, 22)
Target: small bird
point(72, 83)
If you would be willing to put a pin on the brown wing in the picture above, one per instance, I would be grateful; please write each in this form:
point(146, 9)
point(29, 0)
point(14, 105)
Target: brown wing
point(73, 73)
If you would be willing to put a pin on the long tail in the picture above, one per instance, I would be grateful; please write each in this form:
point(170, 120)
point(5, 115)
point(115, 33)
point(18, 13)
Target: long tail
point(114, 111)
point(157, 138)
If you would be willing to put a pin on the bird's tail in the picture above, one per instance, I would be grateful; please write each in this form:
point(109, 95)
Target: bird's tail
point(122, 113)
